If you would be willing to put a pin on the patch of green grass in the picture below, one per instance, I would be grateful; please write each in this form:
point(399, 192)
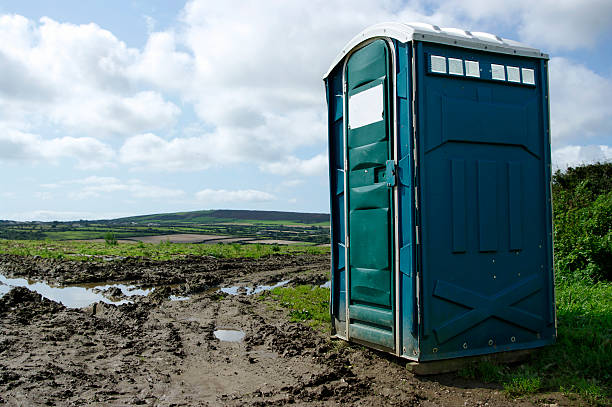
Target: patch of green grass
point(579, 363)
point(92, 251)
point(521, 385)
point(305, 303)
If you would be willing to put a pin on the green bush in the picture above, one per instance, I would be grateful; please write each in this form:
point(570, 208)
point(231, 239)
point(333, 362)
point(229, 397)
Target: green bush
point(582, 211)
point(110, 239)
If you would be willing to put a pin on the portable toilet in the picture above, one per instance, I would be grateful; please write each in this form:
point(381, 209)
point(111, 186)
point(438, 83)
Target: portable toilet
point(439, 166)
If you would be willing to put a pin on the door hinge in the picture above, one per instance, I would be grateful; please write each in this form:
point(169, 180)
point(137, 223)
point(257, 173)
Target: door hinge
point(390, 173)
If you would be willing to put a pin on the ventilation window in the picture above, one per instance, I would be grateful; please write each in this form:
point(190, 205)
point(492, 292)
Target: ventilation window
point(472, 68)
point(514, 74)
point(528, 76)
point(455, 66)
point(438, 64)
point(498, 72)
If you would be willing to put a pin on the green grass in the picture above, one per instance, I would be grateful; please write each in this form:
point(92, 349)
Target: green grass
point(304, 303)
point(579, 363)
point(75, 250)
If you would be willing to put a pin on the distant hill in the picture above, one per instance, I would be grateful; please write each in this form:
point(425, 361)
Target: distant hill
point(229, 216)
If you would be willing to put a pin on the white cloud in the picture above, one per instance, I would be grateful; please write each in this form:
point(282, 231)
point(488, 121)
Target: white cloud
point(95, 187)
point(549, 24)
point(88, 152)
point(292, 183)
point(75, 77)
point(52, 215)
point(581, 105)
point(316, 165)
point(572, 156)
point(219, 196)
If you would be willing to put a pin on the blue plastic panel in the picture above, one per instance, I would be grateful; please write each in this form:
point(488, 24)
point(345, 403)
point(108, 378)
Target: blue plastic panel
point(484, 208)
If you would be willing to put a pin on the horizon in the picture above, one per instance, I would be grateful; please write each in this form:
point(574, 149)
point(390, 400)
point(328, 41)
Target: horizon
point(114, 108)
point(162, 213)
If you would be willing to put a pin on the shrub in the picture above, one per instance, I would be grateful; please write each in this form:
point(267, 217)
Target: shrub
point(582, 213)
point(110, 239)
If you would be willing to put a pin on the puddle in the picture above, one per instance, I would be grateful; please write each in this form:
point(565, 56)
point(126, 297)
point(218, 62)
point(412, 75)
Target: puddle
point(326, 284)
point(240, 289)
point(178, 298)
point(229, 335)
point(127, 290)
point(73, 296)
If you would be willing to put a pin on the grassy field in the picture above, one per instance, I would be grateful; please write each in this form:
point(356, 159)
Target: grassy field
point(292, 226)
point(95, 251)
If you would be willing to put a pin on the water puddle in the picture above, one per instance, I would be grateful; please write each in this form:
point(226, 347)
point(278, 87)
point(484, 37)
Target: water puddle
point(178, 298)
point(75, 296)
point(229, 335)
point(240, 289)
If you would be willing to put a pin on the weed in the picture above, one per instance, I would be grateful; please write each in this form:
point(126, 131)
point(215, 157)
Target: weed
point(522, 385)
point(306, 303)
point(110, 239)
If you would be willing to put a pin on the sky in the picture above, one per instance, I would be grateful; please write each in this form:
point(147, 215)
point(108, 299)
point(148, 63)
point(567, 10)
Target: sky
point(124, 107)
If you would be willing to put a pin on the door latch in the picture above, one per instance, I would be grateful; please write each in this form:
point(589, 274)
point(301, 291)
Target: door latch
point(390, 173)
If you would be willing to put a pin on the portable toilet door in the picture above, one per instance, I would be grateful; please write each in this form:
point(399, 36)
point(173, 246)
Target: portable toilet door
point(439, 150)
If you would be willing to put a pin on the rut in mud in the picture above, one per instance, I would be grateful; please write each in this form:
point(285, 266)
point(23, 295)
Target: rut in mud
point(160, 352)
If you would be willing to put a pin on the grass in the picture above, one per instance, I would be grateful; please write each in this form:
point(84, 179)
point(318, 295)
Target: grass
point(304, 303)
point(92, 251)
point(580, 363)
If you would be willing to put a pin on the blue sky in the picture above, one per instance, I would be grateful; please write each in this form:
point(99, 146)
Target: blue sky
point(116, 108)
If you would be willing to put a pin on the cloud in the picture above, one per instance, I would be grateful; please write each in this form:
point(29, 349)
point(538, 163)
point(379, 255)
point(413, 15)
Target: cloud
point(222, 196)
point(580, 103)
point(88, 152)
point(549, 24)
point(316, 165)
point(572, 156)
point(96, 187)
point(76, 77)
point(52, 215)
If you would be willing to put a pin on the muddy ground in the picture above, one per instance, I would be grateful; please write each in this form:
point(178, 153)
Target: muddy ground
point(160, 352)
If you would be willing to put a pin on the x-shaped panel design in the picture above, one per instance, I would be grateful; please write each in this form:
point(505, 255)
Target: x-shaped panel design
point(483, 307)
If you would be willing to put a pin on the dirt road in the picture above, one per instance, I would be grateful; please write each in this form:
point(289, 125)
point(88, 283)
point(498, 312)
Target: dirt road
point(160, 352)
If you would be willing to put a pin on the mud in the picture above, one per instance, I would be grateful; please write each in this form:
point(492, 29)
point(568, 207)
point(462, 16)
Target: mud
point(160, 352)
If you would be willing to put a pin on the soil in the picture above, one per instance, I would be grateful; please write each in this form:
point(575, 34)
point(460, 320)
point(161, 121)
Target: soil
point(160, 352)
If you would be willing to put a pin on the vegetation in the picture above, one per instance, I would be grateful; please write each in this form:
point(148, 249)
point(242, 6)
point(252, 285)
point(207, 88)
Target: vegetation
point(298, 227)
point(227, 216)
point(110, 239)
point(95, 251)
point(305, 303)
point(582, 207)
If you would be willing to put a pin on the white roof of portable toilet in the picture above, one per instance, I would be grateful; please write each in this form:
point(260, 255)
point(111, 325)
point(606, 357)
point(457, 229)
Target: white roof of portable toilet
point(406, 32)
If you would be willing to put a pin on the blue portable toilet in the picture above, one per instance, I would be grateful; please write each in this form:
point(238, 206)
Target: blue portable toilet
point(439, 169)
